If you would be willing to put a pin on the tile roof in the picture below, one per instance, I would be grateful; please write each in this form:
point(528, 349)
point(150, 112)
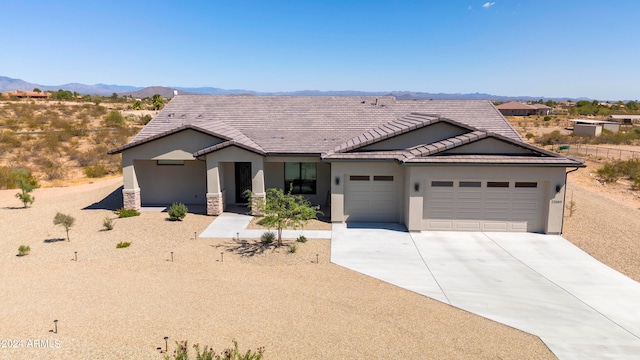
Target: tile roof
point(514, 105)
point(313, 125)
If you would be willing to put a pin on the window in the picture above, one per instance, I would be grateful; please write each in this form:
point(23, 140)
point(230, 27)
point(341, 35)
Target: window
point(300, 177)
point(470, 184)
point(382, 178)
point(526, 184)
point(170, 162)
point(498, 184)
point(359, 177)
point(442, 183)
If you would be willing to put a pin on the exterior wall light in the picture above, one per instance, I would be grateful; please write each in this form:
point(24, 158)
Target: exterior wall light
point(558, 187)
point(337, 180)
point(416, 187)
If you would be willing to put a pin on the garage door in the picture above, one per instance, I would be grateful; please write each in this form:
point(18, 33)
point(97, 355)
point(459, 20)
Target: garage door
point(483, 206)
point(371, 198)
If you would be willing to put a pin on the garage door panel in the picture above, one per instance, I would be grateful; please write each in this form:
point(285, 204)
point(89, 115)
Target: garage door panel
point(371, 198)
point(501, 207)
point(440, 224)
point(467, 225)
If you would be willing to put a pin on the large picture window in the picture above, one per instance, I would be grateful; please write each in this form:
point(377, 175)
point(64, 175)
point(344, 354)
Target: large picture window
point(300, 177)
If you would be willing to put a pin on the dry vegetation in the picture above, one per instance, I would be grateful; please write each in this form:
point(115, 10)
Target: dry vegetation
point(63, 141)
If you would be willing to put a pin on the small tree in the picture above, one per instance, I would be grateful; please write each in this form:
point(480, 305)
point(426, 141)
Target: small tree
point(27, 184)
point(65, 221)
point(158, 101)
point(283, 210)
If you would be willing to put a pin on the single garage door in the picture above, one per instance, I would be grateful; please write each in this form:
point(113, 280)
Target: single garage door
point(372, 198)
point(483, 206)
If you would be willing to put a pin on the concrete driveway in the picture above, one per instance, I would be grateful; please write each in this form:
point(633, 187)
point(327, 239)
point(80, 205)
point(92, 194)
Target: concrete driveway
point(541, 284)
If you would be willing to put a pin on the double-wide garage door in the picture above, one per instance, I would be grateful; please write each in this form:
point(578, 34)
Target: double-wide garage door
point(372, 198)
point(482, 206)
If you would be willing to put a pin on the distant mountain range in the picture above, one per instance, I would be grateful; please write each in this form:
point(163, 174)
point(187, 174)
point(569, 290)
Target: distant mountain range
point(9, 84)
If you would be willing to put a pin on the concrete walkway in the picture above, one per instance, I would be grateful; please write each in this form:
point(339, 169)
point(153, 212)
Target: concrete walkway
point(229, 225)
point(541, 284)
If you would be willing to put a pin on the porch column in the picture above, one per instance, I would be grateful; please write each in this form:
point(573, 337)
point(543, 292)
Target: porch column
point(257, 184)
point(215, 196)
point(131, 189)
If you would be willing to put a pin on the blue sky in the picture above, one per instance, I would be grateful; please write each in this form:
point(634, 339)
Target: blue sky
point(533, 48)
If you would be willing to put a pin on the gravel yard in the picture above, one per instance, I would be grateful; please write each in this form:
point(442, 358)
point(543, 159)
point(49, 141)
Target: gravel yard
point(121, 303)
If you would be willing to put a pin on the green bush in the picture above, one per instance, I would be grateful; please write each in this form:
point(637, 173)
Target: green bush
point(547, 118)
point(107, 223)
point(122, 245)
point(114, 119)
point(293, 248)
point(554, 137)
point(267, 237)
point(636, 184)
point(125, 213)
point(301, 239)
point(24, 250)
point(95, 171)
point(177, 211)
point(608, 173)
point(529, 135)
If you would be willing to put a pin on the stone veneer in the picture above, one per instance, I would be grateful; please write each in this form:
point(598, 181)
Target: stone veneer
point(215, 203)
point(255, 203)
point(131, 199)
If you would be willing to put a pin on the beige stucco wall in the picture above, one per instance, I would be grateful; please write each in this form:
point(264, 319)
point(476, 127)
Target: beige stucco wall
point(553, 203)
point(344, 169)
point(274, 176)
point(489, 146)
point(165, 184)
point(224, 160)
point(178, 146)
point(426, 135)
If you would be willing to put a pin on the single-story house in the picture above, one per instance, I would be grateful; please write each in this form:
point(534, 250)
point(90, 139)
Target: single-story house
point(586, 127)
point(514, 108)
point(541, 109)
point(626, 119)
point(429, 164)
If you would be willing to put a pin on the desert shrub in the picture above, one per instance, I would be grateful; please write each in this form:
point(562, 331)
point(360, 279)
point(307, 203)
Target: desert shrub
point(53, 169)
point(301, 239)
point(114, 119)
point(177, 211)
point(608, 173)
point(267, 238)
point(293, 248)
point(636, 184)
point(24, 250)
point(182, 353)
point(95, 171)
point(144, 119)
point(547, 118)
point(123, 244)
point(107, 223)
point(554, 137)
point(529, 135)
point(125, 213)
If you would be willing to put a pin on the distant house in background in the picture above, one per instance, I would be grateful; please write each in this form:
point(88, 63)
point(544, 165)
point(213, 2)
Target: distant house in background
point(514, 108)
point(542, 109)
point(26, 94)
point(626, 119)
point(586, 127)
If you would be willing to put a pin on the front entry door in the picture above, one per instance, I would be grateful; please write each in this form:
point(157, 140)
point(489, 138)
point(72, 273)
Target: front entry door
point(243, 181)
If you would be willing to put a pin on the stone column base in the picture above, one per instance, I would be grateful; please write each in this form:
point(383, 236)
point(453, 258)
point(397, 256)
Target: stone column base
point(215, 203)
point(257, 202)
point(131, 199)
